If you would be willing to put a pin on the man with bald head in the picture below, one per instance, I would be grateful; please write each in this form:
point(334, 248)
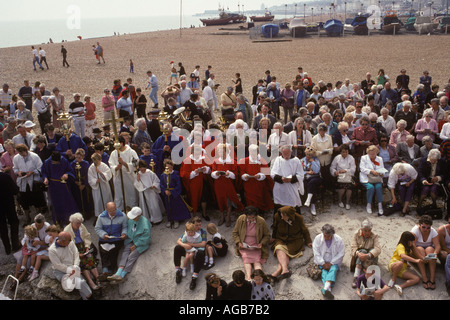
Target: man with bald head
point(111, 228)
point(64, 256)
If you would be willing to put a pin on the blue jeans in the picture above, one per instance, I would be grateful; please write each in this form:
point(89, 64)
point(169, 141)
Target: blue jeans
point(374, 188)
point(80, 125)
point(154, 95)
point(36, 60)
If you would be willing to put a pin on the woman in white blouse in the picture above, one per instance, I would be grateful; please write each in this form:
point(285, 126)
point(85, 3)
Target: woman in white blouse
point(387, 121)
point(445, 131)
point(343, 165)
point(402, 177)
point(427, 242)
point(371, 177)
point(299, 138)
point(278, 138)
point(323, 144)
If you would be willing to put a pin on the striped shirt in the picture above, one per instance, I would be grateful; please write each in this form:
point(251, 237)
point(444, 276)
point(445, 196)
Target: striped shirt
point(5, 98)
point(75, 108)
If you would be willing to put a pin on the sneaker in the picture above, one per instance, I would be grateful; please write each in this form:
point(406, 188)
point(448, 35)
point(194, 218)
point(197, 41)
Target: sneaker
point(327, 294)
point(341, 204)
point(391, 283)
point(313, 210)
point(168, 224)
point(369, 209)
point(34, 275)
point(307, 203)
point(380, 210)
point(183, 272)
point(193, 284)
point(176, 224)
point(347, 206)
point(178, 276)
point(115, 277)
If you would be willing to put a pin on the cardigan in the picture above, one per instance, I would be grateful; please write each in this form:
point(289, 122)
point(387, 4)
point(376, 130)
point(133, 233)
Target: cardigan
point(262, 234)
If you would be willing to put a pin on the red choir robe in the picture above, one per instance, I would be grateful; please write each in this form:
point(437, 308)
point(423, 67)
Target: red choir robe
point(194, 182)
point(224, 188)
point(257, 192)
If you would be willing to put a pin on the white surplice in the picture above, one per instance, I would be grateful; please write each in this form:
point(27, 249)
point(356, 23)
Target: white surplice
point(150, 201)
point(129, 177)
point(287, 194)
point(101, 191)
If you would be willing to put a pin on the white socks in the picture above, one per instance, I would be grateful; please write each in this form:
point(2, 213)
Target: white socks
point(327, 286)
point(357, 273)
point(369, 208)
point(380, 208)
point(308, 200)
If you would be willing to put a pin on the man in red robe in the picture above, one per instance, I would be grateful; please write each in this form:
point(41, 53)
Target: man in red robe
point(254, 173)
point(194, 174)
point(224, 172)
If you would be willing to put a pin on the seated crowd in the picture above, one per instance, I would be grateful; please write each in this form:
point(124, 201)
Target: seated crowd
point(240, 157)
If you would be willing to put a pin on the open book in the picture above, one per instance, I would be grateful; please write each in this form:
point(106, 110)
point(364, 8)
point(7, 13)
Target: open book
point(246, 246)
point(430, 256)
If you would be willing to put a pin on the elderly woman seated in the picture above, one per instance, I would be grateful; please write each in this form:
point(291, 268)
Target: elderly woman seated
point(312, 179)
point(388, 153)
point(402, 178)
point(343, 168)
point(399, 134)
point(299, 138)
point(322, 143)
point(387, 121)
point(329, 251)
point(289, 237)
point(426, 126)
point(371, 177)
point(342, 137)
point(365, 248)
point(251, 236)
point(431, 173)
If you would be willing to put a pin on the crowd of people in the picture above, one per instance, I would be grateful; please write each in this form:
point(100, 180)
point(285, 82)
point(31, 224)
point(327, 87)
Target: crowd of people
point(203, 150)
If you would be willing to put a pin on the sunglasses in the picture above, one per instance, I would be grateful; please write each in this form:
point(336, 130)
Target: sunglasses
point(383, 141)
point(426, 227)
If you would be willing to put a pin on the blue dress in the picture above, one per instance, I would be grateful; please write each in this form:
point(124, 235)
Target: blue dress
point(63, 202)
point(175, 206)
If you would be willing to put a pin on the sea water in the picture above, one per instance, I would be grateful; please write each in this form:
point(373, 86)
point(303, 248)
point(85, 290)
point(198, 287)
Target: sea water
point(35, 32)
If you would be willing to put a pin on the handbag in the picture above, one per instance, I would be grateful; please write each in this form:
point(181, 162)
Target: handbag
point(314, 271)
point(374, 179)
point(344, 178)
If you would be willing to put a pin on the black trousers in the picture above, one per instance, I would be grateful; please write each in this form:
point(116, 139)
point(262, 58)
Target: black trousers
point(109, 258)
point(8, 216)
point(199, 258)
point(65, 61)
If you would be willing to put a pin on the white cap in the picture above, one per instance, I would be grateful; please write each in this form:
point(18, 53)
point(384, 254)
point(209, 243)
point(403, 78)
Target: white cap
point(134, 213)
point(29, 124)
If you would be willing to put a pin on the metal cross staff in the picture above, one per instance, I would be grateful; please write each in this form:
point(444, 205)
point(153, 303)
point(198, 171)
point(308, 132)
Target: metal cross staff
point(114, 121)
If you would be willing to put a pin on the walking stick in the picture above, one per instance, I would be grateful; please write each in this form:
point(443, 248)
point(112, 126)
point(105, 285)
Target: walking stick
point(78, 168)
point(101, 193)
point(169, 211)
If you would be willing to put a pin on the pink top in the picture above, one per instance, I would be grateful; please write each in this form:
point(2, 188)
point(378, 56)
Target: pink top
point(108, 103)
point(7, 161)
point(90, 111)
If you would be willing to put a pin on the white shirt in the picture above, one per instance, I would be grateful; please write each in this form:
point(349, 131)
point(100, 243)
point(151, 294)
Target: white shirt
point(41, 105)
point(420, 242)
point(35, 53)
point(389, 124)
point(42, 53)
point(207, 93)
point(393, 177)
point(31, 162)
point(445, 131)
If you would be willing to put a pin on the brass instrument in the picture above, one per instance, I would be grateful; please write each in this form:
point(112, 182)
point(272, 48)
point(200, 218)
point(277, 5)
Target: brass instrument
point(223, 123)
point(179, 118)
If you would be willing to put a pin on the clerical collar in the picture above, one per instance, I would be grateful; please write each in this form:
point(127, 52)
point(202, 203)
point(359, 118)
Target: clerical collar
point(198, 159)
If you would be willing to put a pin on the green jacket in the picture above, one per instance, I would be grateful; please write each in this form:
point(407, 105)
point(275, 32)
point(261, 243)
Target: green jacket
point(139, 232)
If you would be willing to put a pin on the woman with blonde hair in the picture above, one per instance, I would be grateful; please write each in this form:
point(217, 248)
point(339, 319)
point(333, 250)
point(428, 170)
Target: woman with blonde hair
point(371, 177)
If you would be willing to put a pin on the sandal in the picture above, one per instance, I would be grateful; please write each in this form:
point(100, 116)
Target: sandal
point(425, 284)
point(432, 285)
point(398, 289)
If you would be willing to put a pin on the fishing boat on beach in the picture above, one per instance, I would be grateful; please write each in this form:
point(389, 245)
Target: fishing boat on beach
point(266, 17)
point(409, 24)
point(216, 21)
point(333, 27)
point(424, 25)
point(297, 27)
point(391, 23)
point(359, 24)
